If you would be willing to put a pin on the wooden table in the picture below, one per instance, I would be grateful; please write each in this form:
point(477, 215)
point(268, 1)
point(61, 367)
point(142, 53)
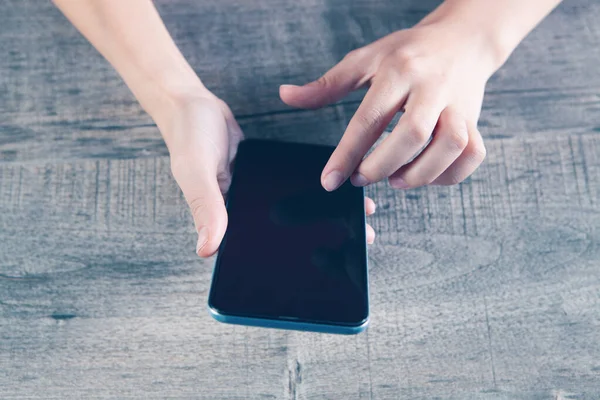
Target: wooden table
point(486, 290)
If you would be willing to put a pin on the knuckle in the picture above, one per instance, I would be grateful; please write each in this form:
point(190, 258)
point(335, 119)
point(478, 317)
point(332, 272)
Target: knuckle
point(458, 138)
point(356, 55)
point(404, 56)
point(478, 153)
point(350, 56)
point(222, 106)
point(202, 207)
point(416, 181)
point(373, 172)
point(197, 207)
point(417, 133)
point(325, 81)
point(350, 159)
point(408, 62)
point(454, 179)
point(410, 65)
point(370, 119)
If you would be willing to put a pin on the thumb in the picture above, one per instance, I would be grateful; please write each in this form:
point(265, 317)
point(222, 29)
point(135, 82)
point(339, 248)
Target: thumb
point(348, 75)
point(203, 195)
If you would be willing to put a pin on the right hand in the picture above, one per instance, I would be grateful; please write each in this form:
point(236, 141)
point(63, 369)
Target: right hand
point(436, 74)
point(202, 136)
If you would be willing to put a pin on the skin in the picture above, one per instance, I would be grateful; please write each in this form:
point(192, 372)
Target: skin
point(435, 73)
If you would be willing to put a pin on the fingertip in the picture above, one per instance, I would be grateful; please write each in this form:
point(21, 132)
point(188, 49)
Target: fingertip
point(288, 94)
point(359, 180)
point(370, 206)
point(211, 230)
point(370, 234)
point(398, 183)
point(207, 251)
point(204, 246)
point(332, 180)
point(210, 246)
point(203, 237)
point(286, 87)
point(310, 96)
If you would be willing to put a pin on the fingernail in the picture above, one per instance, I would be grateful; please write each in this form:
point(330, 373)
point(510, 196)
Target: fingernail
point(202, 239)
point(289, 86)
point(359, 180)
point(332, 181)
point(398, 183)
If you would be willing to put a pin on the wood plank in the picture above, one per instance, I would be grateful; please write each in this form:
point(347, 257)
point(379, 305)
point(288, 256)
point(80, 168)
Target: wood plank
point(505, 115)
point(61, 100)
point(486, 290)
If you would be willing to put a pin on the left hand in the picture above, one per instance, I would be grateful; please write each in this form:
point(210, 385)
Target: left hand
point(436, 73)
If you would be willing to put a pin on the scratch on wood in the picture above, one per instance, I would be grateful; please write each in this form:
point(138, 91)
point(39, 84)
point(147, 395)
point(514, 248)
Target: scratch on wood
point(462, 205)
point(427, 209)
point(575, 169)
point(62, 317)
point(562, 395)
point(294, 379)
point(563, 173)
point(369, 365)
point(131, 187)
point(506, 180)
point(107, 213)
point(489, 335)
point(155, 193)
point(404, 344)
point(472, 205)
point(18, 202)
point(97, 190)
point(532, 167)
point(586, 177)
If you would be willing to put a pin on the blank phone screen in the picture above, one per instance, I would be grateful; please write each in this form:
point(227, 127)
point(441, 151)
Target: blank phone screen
point(292, 250)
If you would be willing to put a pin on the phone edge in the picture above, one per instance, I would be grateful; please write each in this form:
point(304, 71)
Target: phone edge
point(288, 325)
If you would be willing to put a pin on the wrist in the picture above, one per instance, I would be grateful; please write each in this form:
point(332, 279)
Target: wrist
point(493, 40)
point(164, 102)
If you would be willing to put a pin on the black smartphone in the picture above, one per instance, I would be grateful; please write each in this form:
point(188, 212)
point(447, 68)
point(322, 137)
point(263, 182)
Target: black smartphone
point(294, 256)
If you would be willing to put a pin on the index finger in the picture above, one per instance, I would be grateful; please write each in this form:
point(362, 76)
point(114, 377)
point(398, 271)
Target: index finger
point(382, 101)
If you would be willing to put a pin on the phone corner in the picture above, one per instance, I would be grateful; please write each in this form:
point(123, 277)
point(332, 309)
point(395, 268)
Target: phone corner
point(214, 312)
point(361, 327)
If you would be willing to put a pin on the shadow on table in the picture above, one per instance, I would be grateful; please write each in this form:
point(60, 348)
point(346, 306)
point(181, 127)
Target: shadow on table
point(351, 25)
point(357, 23)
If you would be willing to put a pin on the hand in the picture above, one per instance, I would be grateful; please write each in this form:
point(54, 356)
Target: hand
point(436, 73)
point(202, 135)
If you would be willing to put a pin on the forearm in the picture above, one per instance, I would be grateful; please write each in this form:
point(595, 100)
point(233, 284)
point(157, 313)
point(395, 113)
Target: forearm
point(503, 23)
point(132, 37)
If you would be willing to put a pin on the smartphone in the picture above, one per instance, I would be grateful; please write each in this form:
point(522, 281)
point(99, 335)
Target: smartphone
point(294, 256)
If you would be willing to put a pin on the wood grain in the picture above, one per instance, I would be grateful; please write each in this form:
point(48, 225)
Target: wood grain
point(486, 290)
point(61, 100)
point(489, 289)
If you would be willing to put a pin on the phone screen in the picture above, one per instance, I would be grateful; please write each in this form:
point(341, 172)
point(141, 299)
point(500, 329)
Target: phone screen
point(292, 250)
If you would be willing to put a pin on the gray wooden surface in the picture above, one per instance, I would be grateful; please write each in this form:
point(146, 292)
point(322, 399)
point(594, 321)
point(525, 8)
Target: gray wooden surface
point(486, 290)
